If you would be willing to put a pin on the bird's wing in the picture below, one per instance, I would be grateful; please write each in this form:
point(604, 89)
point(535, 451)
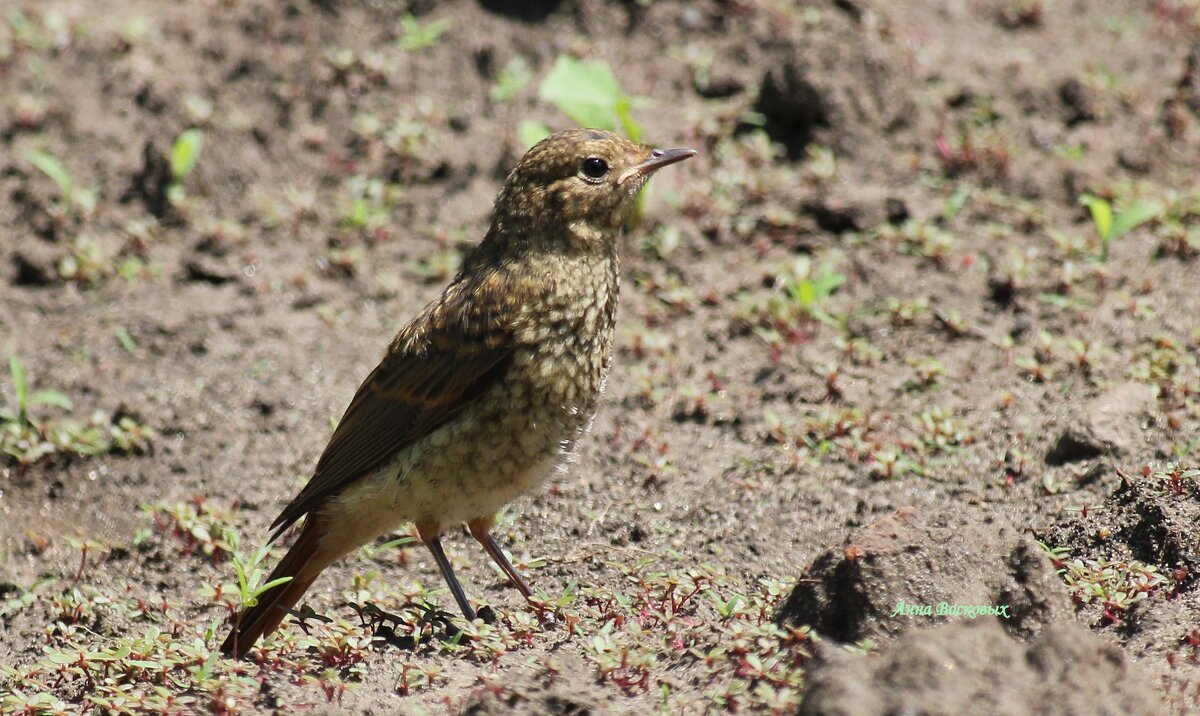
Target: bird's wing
point(425, 380)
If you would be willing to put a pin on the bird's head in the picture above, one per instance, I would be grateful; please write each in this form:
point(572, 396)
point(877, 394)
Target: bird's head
point(581, 180)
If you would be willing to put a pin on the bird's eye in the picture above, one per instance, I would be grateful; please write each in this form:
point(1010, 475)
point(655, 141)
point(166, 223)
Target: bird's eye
point(594, 168)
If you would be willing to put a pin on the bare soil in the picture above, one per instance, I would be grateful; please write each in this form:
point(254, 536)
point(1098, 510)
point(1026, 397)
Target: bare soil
point(979, 383)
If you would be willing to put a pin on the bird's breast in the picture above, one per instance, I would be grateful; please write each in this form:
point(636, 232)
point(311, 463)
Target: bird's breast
point(565, 339)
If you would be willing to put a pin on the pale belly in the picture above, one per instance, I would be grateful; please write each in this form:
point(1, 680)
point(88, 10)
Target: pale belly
point(468, 469)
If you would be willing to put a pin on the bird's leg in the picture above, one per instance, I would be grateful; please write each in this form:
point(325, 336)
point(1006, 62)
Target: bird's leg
point(431, 534)
point(481, 530)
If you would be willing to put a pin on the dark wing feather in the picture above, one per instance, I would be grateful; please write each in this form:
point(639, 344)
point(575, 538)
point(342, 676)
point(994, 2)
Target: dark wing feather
point(416, 389)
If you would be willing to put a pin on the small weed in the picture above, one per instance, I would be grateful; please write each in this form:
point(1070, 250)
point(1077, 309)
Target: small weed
point(185, 152)
point(891, 464)
point(1178, 481)
point(590, 95)
point(86, 264)
point(979, 142)
point(513, 78)
point(939, 431)
point(439, 266)
point(1111, 226)
point(26, 438)
point(1115, 585)
point(820, 164)
point(801, 296)
point(907, 311)
point(367, 206)
point(416, 36)
point(249, 574)
point(919, 238)
point(78, 200)
point(928, 373)
point(1162, 362)
point(201, 527)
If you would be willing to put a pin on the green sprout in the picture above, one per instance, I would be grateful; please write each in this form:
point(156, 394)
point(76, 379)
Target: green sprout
point(511, 80)
point(1110, 227)
point(77, 198)
point(26, 439)
point(25, 400)
point(185, 152)
point(810, 289)
point(249, 574)
point(418, 37)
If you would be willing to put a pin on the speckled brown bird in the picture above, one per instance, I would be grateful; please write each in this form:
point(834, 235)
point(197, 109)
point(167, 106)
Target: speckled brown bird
point(487, 390)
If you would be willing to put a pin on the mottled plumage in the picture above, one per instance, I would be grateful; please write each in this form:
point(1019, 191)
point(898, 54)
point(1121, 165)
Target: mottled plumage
point(486, 390)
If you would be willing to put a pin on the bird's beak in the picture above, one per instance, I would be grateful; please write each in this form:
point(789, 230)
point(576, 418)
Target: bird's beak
point(659, 158)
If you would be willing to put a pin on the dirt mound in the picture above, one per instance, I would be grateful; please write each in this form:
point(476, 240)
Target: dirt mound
point(976, 668)
point(910, 568)
point(1151, 518)
point(1134, 563)
point(840, 82)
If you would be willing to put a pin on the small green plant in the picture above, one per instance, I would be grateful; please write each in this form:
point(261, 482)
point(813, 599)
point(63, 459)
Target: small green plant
point(801, 297)
point(810, 289)
point(590, 95)
point(417, 36)
point(1111, 226)
point(78, 199)
point(366, 207)
point(939, 431)
point(86, 264)
point(185, 152)
point(1116, 585)
point(26, 439)
point(511, 80)
point(24, 399)
point(200, 527)
point(249, 574)
point(20, 435)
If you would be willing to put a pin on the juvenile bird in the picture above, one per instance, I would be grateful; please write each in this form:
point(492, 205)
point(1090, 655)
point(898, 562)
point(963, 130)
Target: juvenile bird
point(483, 393)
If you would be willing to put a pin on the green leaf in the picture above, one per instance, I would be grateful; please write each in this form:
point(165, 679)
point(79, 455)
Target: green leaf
point(417, 37)
point(632, 129)
point(54, 169)
point(805, 293)
point(398, 542)
point(270, 585)
point(50, 397)
point(1134, 216)
point(243, 587)
point(63, 658)
point(511, 80)
point(956, 201)
point(1102, 215)
point(205, 671)
point(144, 664)
point(530, 132)
point(827, 282)
point(185, 152)
point(587, 92)
point(19, 384)
point(126, 340)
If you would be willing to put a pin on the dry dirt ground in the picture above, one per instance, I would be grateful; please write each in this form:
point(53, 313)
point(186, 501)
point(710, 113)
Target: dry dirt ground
point(872, 349)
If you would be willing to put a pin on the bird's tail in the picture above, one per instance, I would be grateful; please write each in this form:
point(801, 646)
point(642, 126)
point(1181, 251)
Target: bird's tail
point(261, 619)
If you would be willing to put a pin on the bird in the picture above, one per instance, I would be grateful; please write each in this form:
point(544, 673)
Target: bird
point(485, 392)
